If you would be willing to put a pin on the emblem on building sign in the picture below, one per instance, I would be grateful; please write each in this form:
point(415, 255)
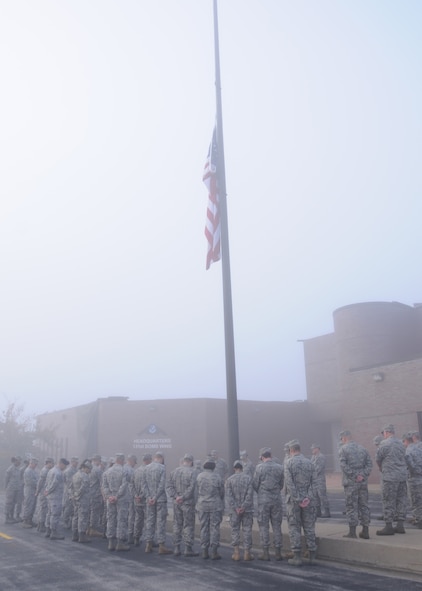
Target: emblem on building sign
point(152, 438)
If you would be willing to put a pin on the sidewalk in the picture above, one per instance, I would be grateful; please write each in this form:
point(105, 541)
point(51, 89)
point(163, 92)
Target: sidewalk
point(394, 554)
point(398, 553)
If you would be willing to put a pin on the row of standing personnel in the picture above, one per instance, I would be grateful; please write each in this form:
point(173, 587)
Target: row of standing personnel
point(135, 501)
point(400, 465)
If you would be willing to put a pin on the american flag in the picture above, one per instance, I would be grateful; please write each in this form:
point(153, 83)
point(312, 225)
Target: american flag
point(212, 225)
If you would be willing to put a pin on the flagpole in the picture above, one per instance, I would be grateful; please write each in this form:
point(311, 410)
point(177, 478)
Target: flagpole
point(232, 415)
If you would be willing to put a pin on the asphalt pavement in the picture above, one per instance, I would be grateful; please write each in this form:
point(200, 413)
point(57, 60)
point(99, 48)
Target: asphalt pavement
point(29, 561)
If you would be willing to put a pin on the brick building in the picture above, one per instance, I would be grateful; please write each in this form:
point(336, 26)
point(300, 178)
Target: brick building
point(174, 426)
point(366, 373)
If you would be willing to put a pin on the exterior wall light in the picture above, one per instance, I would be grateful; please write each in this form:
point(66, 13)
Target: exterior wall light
point(378, 377)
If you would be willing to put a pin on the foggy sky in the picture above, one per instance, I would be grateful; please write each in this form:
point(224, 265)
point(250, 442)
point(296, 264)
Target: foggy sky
point(107, 110)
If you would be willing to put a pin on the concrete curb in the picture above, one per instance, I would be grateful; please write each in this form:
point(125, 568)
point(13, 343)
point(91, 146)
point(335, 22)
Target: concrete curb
point(394, 554)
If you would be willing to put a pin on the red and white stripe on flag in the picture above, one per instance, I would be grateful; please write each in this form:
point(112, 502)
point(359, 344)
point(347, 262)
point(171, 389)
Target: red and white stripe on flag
point(212, 225)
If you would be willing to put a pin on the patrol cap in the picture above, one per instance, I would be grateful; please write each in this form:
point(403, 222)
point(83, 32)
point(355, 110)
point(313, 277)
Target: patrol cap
point(74, 459)
point(49, 460)
point(209, 464)
point(133, 458)
point(120, 456)
point(96, 457)
point(237, 464)
point(146, 457)
point(389, 428)
point(286, 446)
point(315, 446)
point(64, 461)
point(377, 439)
point(188, 457)
point(264, 450)
point(34, 460)
point(243, 454)
point(86, 464)
point(345, 433)
point(415, 434)
point(293, 442)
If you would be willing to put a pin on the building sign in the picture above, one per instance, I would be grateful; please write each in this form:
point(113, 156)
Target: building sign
point(152, 438)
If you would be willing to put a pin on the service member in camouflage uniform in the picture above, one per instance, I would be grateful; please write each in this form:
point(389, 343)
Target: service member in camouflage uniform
point(268, 483)
point(154, 491)
point(96, 498)
point(79, 491)
point(20, 497)
point(30, 479)
point(391, 460)
point(320, 485)
point(181, 487)
point(131, 462)
point(414, 466)
point(54, 487)
point(248, 466)
point(221, 466)
point(67, 496)
point(140, 501)
point(12, 485)
point(239, 495)
point(356, 466)
point(42, 505)
point(300, 503)
point(210, 507)
point(116, 495)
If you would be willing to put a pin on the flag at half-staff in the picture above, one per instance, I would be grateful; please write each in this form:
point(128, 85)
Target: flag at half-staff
point(212, 225)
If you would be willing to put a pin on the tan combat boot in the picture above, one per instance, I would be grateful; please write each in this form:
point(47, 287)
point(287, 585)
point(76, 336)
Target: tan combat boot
point(163, 550)
point(265, 554)
point(296, 560)
point(236, 553)
point(122, 546)
point(214, 553)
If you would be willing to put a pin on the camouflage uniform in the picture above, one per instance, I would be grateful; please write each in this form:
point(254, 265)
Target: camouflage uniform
point(391, 459)
point(268, 482)
point(414, 464)
point(210, 507)
point(154, 491)
point(96, 496)
point(67, 495)
point(42, 499)
point(355, 462)
point(20, 497)
point(320, 486)
point(140, 503)
point(239, 495)
point(299, 475)
point(221, 466)
point(115, 486)
point(182, 486)
point(79, 492)
point(12, 486)
point(30, 479)
point(248, 466)
point(54, 487)
point(130, 474)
